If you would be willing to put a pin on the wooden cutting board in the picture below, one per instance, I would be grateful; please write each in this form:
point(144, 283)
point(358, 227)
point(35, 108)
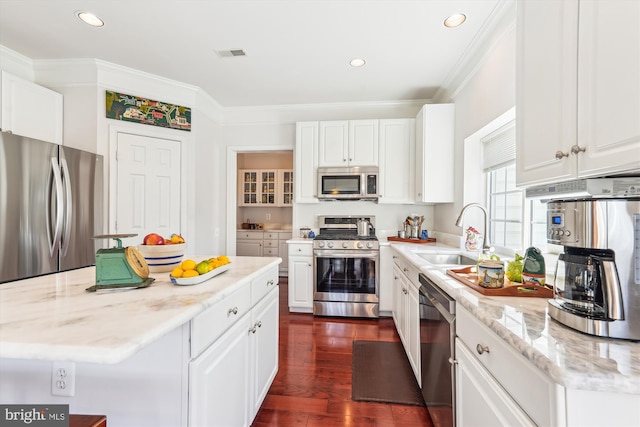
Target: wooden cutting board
point(468, 276)
point(399, 239)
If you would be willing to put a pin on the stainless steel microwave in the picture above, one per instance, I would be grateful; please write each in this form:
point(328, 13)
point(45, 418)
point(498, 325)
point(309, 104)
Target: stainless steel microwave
point(348, 183)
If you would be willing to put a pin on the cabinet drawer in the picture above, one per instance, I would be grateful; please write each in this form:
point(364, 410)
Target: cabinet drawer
point(208, 326)
point(271, 235)
point(249, 235)
point(270, 243)
point(285, 235)
point(266, 251)
point(300, 249)
point(519, 377)
point(261, 285)
point(409, 270)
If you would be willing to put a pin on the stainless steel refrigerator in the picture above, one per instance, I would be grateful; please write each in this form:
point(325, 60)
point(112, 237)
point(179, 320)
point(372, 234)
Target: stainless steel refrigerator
point(50, 207)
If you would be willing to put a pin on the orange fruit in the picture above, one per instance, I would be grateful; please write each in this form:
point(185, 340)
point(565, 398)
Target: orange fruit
point(188, 264)
point(190, 273)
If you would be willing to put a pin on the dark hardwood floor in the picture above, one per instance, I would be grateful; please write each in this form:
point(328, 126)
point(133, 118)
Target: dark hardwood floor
point(313, 384)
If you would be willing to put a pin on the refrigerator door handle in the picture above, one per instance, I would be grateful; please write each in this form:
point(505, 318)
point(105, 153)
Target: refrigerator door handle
point(57, 177)
point(68, 205)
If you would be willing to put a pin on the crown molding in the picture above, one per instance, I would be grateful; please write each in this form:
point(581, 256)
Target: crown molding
point(16, 63)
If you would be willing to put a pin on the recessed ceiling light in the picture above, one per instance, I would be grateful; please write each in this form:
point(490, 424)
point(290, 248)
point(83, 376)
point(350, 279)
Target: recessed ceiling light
point(90, 18)
point(455, 20)
point(358, 62)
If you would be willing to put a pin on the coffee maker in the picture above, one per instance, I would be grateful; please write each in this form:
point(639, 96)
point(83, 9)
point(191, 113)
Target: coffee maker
point(597, 278)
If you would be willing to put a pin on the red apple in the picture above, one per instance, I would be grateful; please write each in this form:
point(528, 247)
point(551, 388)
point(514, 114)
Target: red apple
point(153, 239)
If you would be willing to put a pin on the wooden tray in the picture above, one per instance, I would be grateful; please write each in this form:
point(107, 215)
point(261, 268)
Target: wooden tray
point(468, 276)
point(398, 239)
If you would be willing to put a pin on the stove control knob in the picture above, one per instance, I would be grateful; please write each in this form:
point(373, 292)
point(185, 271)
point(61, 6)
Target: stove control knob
point(369, 245)
point(321, 244)
point(330, 245)
point(360, 245)
point(345, 245)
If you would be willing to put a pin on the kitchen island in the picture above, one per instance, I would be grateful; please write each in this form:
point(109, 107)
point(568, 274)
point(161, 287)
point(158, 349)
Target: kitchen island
point(550, 373)
point(145, 356)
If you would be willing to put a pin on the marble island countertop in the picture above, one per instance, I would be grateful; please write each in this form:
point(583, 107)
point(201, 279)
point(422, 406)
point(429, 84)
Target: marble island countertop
point(53, 317)
point(570, 358)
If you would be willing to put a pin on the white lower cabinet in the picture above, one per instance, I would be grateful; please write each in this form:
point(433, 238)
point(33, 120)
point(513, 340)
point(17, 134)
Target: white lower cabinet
point(300, 277)
point(229, 380)
point(495, 385)
point(480, 400)
point(406, 311)
point(386, 280)
point(249, 243)
point(263, 349)
point(219, 380)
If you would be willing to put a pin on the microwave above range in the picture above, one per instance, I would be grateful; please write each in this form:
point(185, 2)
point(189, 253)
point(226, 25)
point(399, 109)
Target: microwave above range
point(348, 183)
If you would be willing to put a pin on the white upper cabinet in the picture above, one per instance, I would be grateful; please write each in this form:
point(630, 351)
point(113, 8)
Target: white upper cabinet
point(30, 110)
point(578, 91)
point(434, 154)
point(306, 162)
point(609, 86)
point(348, 143)
point(397, 166)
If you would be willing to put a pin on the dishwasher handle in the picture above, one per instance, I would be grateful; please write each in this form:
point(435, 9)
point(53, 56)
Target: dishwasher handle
point(437, 296)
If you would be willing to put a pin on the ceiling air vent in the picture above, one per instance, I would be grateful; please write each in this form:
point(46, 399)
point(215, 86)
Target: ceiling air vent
point(230, 53)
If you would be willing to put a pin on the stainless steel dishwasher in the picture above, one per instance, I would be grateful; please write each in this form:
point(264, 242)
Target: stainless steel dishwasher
point(437, 338)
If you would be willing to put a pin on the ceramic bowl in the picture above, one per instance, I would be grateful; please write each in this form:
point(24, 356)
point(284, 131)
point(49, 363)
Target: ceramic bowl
point(163, 258)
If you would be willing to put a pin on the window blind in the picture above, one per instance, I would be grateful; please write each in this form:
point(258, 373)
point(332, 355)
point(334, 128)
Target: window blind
point(499, 147)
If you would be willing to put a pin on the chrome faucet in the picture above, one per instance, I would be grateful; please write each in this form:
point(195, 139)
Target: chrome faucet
point(486, 248)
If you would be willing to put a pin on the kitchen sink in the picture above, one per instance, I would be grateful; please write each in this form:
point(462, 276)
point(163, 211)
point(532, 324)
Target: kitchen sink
point(457, 259)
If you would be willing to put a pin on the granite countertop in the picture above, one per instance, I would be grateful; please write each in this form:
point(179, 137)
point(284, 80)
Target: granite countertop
point(53, 317)
point(570, 358)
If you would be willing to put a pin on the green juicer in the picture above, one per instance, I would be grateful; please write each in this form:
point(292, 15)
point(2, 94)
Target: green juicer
point(120, 268)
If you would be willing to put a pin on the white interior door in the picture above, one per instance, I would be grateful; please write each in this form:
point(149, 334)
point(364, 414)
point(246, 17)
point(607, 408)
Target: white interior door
point(148, 186)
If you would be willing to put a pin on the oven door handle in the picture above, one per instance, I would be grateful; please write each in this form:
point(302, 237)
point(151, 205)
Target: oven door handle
point(337, 254)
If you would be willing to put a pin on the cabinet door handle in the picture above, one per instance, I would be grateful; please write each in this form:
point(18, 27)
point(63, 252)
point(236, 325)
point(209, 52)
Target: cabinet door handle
point(452, 361)
point(231, 311)
point(482, 349)
point(576, 149)
point(404, 290)
point(405, 269)
point(270, 282)
point(560, 155)
point(253, 330)
point(259, 323)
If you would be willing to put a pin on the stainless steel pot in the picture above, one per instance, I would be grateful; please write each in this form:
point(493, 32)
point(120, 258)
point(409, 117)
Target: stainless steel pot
point(364, 227)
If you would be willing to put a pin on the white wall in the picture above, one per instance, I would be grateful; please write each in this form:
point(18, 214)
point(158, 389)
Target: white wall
point(488, 93)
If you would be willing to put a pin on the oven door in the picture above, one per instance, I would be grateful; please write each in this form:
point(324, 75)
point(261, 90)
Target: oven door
point(343, 275)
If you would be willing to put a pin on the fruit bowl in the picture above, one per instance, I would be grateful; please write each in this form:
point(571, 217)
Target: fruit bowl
point(163, 258)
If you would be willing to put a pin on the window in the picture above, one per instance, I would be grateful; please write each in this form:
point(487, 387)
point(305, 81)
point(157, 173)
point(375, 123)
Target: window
point(515, 223)
point(505, 204)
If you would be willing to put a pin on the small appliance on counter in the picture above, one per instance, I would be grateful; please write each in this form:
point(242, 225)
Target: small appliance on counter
point(120, 268)
point(597, 278)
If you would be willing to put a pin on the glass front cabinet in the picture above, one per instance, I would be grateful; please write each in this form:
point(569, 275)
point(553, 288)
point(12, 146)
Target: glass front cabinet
point(265, 187)
point(286, 187)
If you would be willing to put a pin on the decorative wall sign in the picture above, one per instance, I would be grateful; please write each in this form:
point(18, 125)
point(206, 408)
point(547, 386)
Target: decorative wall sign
point(129, 108)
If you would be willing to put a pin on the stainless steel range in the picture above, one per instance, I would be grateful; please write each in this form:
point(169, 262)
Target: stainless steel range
point(346, 264)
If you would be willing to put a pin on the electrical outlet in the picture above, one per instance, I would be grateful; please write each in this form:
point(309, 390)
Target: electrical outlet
point(63, 379)
point(268, 217)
